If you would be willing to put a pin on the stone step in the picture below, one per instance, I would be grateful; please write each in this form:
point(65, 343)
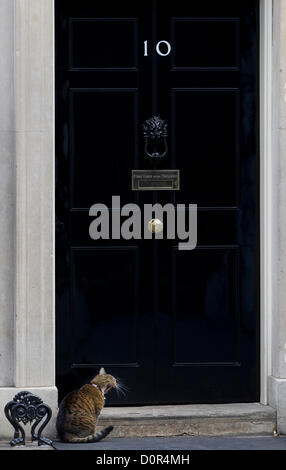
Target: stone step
point(193, 420)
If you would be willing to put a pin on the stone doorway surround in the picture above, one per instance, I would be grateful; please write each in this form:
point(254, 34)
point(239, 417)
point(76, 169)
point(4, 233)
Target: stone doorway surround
point(27, 319)
point(27, 209)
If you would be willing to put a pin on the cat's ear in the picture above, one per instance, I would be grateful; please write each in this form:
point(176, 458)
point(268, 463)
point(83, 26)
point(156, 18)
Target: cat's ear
point(102, 371)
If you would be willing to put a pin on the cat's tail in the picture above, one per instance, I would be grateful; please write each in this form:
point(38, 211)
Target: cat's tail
point(92, 438)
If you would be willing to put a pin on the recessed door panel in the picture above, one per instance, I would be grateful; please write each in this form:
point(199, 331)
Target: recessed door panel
point(96, 144)
point(201, 43)
point(206, 306)
point(103, 43)
point(206, 144)
point(93, 311)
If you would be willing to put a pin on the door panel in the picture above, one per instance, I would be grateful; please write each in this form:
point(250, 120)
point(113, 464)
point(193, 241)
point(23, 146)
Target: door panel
point(207, 147)
point(112, 42)
point(93, 311)
point(212, 315)
point(201, 43)
point(176, 326)
point(95, 156)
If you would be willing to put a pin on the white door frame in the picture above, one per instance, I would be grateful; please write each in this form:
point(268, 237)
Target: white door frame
point(266, 194)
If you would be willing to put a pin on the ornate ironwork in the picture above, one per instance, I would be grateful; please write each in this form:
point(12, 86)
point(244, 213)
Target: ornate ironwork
point(26, 408)
point(155, 132)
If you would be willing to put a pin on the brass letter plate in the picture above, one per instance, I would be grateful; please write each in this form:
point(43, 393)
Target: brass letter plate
point(155, 180)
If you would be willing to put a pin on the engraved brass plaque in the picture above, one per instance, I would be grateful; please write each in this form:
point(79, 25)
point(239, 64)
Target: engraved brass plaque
point(155, 180)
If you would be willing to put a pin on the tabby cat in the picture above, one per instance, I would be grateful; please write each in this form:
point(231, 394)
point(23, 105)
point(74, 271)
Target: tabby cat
point(80, 409)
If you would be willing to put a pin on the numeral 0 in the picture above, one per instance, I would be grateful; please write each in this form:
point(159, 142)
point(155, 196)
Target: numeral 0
point(158, 48)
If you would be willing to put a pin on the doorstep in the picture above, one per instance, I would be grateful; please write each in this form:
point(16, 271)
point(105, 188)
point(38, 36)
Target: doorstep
point(193, 420)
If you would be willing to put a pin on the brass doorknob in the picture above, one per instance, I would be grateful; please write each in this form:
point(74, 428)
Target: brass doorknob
point(155, 226)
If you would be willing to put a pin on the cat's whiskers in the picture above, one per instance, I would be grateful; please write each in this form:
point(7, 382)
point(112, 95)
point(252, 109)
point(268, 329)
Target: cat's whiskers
point(121, 388)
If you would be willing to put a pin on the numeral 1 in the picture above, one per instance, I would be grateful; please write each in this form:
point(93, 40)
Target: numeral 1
point(145, 48)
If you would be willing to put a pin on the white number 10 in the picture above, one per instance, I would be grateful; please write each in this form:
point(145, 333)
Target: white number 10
point(158, 48)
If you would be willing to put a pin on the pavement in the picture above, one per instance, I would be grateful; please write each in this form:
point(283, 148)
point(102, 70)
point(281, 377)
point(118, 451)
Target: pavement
point(181, 443)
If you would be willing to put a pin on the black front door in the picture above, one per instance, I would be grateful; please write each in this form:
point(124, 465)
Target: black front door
point(177, 326)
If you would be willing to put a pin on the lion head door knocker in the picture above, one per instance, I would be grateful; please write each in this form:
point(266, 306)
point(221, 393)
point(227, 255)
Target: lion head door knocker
point(155, 134)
